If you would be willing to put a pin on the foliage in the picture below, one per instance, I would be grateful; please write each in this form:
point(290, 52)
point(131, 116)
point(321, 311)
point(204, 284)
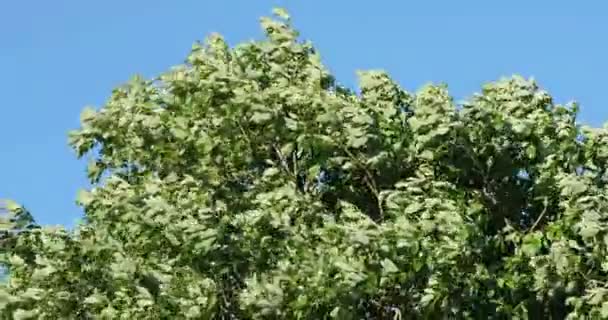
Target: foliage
point(248, 184)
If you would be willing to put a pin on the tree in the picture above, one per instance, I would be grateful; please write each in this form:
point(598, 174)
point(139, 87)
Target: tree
point(248, 184)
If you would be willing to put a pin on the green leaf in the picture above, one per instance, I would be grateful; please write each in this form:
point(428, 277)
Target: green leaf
point(532, 244)
point(314, 171)
point(573, 187)
point(42, 273)
point(84, 198)
point(87, 115)
point(179, 133)
point(94, 299)
point(193, 312)
point(427, 299)
point(427, 155)
point(388, 266)
point(261, 117)
point(335, 312)
point(327, 117)
point(291, 124)
point(12, 206)
point(33, 294)
point(360, 237)
point(22, 314)
point(287, 149)
point(589, 230)
point(281, 13)
point(16, 260)
point(358, 142)
point(442, 130)
point(604, 310)
point(94, 170)
point(271, 172)
point(531, 151)
point(363, 119)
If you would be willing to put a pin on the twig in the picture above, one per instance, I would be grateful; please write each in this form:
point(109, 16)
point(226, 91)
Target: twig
point(285, 165)
point(542, 214)
point(369, 181)
point(238, 123)
point(294, 159)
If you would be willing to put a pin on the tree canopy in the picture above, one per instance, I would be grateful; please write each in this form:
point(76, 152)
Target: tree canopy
point(248, 183)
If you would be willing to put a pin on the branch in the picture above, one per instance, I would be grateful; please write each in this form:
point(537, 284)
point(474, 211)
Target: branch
point(540, 217)
point(369, 181)
point(294, 156)
point(285, 165)
point(245, 134)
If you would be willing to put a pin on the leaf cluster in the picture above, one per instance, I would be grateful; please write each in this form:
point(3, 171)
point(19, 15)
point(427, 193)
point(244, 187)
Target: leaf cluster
point(248, 184)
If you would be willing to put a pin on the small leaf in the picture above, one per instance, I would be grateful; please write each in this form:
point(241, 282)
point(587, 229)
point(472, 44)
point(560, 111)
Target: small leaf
point(287, 149)
point(281, 13)
point(327, 117)
point(84, 198)
point(532, 243)
point(604, 310)
point(427, 155)
point(94, 170)
point(363, 119)
point(442, 130)
point(272, 171)
point(335, 312)
point(33, 293)
point(16, 260)
point(314, 171)
point(12, 206)
point(531, 151)
point(261, 117)
point(22, 314)
point(193, 312)
point(589, 230)
point(42, 273)
point(291, 124)
point(87, 115)
point(179, 133)
point(358, 142)
point(388, 266)
point(360, 237)
point(427, 299)
point(95, 298)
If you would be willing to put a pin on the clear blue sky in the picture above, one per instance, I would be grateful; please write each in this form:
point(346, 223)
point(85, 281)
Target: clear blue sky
point(58, 56)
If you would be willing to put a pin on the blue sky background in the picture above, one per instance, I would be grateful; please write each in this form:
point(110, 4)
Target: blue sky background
point(58, 56)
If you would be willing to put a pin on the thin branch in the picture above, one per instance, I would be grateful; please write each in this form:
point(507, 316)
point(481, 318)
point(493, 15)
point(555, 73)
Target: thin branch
point(245, 134)
point(369, 181)
point(294, 156)
point(483, 172)
point(282, 158)
point(285, 164)
point(542, 214)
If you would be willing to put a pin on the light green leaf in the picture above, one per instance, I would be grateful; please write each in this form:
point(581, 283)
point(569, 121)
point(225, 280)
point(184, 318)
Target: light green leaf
point(22, 314)
point(87, 115)
point(532, 243)
point(193, 312)
point(604, 310)
point(281, 13)
point(272, 171)
point(358, 142)
point(84, 198)
point(261, 117)
point(388, 266)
